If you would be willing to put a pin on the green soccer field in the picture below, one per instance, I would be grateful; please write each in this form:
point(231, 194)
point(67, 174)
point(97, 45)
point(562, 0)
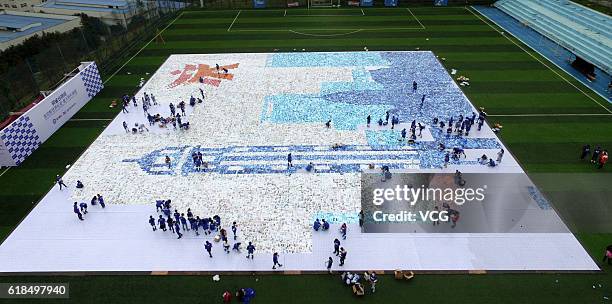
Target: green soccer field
point(546, 116)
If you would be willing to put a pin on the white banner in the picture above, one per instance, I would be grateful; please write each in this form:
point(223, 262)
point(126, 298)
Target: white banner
point(30, 130)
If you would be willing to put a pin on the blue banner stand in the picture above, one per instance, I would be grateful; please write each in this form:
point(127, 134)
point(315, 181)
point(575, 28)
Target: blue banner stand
point(391, 3)
point(259, 3)
point(366, 2)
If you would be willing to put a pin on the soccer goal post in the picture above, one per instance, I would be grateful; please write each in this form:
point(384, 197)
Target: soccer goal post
point(321, 3)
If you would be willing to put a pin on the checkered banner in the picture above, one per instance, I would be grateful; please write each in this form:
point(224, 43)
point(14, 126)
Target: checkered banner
point(22, 137)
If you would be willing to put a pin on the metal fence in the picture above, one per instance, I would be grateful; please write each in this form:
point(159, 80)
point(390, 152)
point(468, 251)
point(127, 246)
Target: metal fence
point(22, 82)
point(246, 4)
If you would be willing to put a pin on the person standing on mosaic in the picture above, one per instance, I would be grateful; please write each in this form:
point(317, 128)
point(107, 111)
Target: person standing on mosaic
point(172, 109)
point(234, 229)
point(208, 247)
point(500, 155)
point(361, 218)
point(275, 261)
point(60, 182)
point(77, 211)
point(414, 86)
point(368, 120)
point(83, 207)
point(289, 161)
point(177, 216)
point(328, 265)
point(162, 223)
point(343, 230)
point(177, 228)
point(125, 127)
point(226, 246)
point(422, 101)
point(337, 247)
point(167, 161)
point(343, 254)
point(170, 222)
point(152, 222)
point(184, 222)
point(101, 201)
point(195, 224)
point(403, 135)
point(250, 250)
point(446, 159)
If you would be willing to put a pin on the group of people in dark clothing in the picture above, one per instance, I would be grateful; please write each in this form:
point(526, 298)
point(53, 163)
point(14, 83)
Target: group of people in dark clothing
point(598, 156)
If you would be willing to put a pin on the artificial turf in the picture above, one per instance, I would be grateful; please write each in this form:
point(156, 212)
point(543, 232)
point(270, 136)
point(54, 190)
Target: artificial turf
point(505, 80)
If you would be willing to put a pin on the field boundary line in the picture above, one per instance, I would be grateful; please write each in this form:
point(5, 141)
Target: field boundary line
point(536, 58)
point(325, 35)
point(415, 18)
point(128, 61)
point(315, 30)
point(318, 9)
point(236, 18)
point(4, 171)
point(550, 115)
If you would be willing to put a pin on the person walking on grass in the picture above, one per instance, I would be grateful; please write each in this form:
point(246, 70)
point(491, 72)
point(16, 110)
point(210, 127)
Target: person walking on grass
point(275, 261)
point(603, 159)
point(586, 151)
point(595, 156)
point(608, 255)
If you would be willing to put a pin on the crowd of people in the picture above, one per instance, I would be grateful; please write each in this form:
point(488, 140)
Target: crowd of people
point(177, 118)
point(598, 157)
point(354, 280)
point(80, 209)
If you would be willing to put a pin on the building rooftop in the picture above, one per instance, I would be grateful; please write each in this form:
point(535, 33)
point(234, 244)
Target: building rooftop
point(113, 3)
point(13, 26)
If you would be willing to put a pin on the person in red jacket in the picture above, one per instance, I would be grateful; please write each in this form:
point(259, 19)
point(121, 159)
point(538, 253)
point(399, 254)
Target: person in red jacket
point(227, 297)
point(603, 159)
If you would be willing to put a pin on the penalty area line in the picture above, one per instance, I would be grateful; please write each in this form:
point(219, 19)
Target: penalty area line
point(236, 18)
point(155, 37)
point(415, 18)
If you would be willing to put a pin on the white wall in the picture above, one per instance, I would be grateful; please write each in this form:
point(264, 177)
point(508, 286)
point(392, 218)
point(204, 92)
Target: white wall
point(30, 130)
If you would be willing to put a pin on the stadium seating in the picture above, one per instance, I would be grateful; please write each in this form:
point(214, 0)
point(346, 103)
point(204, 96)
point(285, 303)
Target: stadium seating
point(583, 31)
